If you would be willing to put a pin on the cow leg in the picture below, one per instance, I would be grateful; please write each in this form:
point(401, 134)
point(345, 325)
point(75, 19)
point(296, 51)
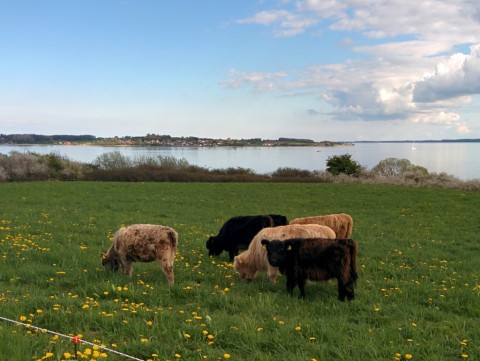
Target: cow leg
point(126, 265)
point(341, 290)
point(301, 285)
point(127, 268)
point(290, 284)
point(232, 253)
point(168, 270)
point(272, 273)
point(169, 273)
point(350, 290)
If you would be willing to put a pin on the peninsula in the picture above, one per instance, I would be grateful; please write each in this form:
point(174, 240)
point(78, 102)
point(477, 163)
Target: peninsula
point(159, 140)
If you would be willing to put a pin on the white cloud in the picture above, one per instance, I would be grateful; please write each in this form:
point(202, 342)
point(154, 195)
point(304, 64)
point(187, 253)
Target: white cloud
point(267, 17)
point(258, 81)
point(458, 75)
point(286, 23)
point(407, 73)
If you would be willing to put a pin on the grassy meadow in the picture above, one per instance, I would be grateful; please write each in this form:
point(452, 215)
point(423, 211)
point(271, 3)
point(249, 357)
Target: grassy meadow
point(418, 294)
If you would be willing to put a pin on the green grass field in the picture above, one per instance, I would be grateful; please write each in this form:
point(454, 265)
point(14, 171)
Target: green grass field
point(418, 295)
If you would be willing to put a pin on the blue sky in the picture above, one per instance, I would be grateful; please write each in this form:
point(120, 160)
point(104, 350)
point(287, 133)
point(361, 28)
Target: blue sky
point(316, 69)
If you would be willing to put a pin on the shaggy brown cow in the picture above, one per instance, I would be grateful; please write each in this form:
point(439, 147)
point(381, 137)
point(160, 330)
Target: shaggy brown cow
point(142, 243)
point(316, 259)
point(342, 223)
point(254, 259)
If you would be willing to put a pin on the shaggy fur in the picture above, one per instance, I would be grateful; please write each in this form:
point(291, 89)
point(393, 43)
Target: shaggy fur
point(238, 232)
point(316, 259)
point(342, 223)
point(254, 259)
point(142, 243)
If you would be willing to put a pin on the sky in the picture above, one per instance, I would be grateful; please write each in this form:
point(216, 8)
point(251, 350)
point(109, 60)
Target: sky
point(339, 70)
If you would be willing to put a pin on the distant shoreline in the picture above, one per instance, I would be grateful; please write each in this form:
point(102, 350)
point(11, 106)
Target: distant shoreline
point(169, 141)
point(477, 140)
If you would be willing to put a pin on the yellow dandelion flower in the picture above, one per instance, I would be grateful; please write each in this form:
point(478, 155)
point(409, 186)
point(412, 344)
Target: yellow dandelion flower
point(298, 328)
point(227, 356)
point(187, 335)
point(464, 355)
point(408, 356)
point(178, 355)
point(23, 318)
point(259, 329)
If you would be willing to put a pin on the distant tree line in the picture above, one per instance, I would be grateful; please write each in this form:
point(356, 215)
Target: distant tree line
point(158, 140)
point(281, 139)
point(44, 139)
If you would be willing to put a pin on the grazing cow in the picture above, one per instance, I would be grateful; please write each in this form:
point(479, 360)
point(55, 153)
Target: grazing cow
point(342, 223)
point(247, 264)
point(316, 259)
point(238, 232)
point(142, 243)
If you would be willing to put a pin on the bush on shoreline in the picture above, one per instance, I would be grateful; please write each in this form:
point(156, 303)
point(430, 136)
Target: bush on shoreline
point(114, 166)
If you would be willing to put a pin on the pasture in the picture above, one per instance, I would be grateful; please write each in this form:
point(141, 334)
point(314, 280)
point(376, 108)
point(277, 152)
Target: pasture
point(417, 297)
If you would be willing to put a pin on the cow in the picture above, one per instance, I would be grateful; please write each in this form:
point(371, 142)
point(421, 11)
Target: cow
point(238, 232)
point(142, 243)
point(342, 223)
point(247, 264)
point(315, 259)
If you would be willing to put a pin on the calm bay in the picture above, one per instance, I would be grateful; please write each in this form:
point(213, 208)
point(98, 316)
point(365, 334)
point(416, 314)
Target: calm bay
point(459, 159)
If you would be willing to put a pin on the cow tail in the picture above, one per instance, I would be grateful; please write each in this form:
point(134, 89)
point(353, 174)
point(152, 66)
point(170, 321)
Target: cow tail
point(353, 248)
point(173, 238)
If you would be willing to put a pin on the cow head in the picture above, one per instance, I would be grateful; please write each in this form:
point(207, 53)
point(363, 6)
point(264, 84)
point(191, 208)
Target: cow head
point(243, 269)
point(214, 249)
point(277, 251)
point(109, 263)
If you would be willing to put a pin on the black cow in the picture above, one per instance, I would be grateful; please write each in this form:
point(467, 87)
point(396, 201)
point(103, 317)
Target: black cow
point(316, 259)
point(238, 232)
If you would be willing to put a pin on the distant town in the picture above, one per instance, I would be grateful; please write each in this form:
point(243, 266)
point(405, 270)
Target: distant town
point(159, 140)
point(169, 141)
